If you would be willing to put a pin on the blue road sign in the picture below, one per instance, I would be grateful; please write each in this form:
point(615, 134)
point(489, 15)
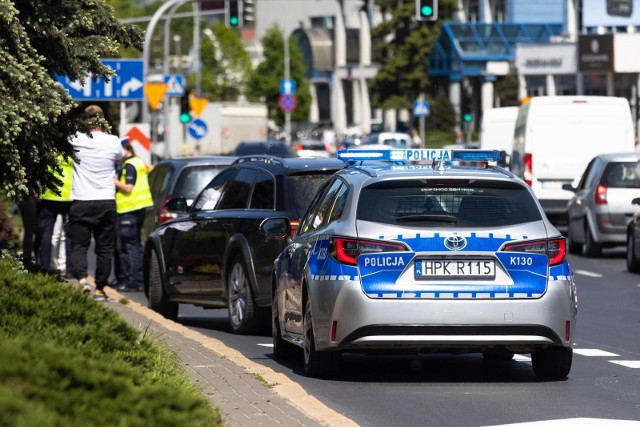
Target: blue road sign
point(197, 129)
point(421, 108)
point(175, 85)
point(287, 87)
point(126, 85)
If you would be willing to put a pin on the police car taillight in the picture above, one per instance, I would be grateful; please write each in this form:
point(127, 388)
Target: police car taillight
point(555, 249)
point(528, 168)
point(346, 250)
point(601, 195)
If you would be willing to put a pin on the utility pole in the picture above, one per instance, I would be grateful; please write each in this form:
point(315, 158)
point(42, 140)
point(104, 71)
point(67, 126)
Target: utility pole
point(287, 115)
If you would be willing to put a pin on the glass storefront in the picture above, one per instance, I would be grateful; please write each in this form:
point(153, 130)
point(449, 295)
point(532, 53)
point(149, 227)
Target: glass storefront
point(595, 84)
point(565, 84)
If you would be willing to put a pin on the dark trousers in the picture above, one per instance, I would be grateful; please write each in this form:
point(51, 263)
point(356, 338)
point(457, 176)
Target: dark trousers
point(49, 211)
point(97, 219)
point(129, 249)
point(30, 240)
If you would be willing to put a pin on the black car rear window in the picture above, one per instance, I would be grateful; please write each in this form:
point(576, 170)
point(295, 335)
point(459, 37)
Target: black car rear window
point(622, 175)
point(193, 179)
point(302, 188)
point(422, 203)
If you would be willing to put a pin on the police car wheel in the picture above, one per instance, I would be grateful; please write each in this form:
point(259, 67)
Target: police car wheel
point(281, 348)
point(633, 265)
point(591, 247)
point(317, 364)
point(240, 304)
point(552, 362)
point(158, 300)
point(497, 354)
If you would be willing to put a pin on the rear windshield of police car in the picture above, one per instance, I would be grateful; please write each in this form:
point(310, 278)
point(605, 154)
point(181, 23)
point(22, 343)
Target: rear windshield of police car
point(465, 203)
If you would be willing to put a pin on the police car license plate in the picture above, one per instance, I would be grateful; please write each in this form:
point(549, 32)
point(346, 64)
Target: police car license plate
point(455, 268)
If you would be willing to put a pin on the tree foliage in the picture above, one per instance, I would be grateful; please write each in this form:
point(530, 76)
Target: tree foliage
point(265, 80)
point(39, 39)
point(226, 64)
point(402, 45)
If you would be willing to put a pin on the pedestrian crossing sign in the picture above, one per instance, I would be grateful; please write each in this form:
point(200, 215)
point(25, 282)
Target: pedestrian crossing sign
point(175, 85)
point(421, 108)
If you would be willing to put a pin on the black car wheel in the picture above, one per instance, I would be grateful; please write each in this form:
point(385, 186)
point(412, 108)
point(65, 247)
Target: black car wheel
point(281, 348)
point(573, 247)
point(633, 265)
point(317, 364)
point(242, 315)
point(591, 247)
point(552, 362)
point(158, 300)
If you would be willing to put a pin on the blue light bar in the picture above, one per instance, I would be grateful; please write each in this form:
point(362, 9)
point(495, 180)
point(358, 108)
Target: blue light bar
point(420, 155)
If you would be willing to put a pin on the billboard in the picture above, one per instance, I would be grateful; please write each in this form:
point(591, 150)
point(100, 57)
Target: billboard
point(610, 13)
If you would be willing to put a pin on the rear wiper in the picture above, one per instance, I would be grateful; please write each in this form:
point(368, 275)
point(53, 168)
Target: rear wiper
point(429, 218)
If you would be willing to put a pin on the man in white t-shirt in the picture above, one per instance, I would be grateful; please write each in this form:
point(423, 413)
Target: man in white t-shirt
point(93, 210)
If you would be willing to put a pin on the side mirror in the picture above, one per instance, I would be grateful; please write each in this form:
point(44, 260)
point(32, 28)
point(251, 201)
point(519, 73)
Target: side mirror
point(636, 201)
point(275, 227)
point(568, 187)
point(177, 205)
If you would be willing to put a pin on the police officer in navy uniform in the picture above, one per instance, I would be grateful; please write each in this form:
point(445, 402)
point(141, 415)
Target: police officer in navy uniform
point(133, 196)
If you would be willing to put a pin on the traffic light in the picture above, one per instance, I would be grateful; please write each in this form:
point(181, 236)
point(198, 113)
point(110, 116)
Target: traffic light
point(185, 113)
point(467, 108)
point(426, 10)
point(233, 13)
point(249, 13)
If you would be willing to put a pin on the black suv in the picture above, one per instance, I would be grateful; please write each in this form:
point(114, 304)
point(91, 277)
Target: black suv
point(216, 254)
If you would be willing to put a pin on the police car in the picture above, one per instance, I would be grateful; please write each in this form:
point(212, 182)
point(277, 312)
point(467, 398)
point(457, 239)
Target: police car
point(407, 250)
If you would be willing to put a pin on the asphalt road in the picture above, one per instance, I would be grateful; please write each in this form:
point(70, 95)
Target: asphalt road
point(443, 390)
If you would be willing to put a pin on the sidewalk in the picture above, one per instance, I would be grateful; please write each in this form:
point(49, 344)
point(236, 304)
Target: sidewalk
point(247, 393)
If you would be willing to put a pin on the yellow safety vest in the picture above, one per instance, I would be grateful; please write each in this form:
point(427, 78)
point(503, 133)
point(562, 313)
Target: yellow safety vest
point(67, 181)
point(140, 195)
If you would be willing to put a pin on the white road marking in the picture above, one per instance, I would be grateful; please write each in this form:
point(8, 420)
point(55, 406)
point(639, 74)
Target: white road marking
point(576, 422)
point(588, 273)
point(635, 364)
point(594, 352)
point(266, 345)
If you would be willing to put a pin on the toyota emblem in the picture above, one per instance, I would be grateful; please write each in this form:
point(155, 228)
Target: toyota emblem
point(455, 243)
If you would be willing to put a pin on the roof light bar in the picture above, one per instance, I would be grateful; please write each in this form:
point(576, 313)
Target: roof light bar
point(419, 155)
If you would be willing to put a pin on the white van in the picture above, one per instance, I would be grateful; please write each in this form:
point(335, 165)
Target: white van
point(497, 128)
point(557, 136)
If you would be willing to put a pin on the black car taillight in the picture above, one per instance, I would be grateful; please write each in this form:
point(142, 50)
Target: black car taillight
point(555, 249)
point(346, 250)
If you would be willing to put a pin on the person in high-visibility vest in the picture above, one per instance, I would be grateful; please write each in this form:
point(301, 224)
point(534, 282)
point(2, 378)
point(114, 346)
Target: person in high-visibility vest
point(133, 196)
point(51, 206)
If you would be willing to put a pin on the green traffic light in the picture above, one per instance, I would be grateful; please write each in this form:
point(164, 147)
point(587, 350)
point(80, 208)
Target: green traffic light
point(185, 118)
point(467, 117)
point(233, 20)
point(426, 10)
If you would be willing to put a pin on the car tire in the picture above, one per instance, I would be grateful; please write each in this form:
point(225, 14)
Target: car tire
point(317, 364)
point(281, 349)
point(498, 354)
point(552, 362)
point(591, 247)
point(573, 247)
point(158, 300)
point(633, 265)
point(242, 309)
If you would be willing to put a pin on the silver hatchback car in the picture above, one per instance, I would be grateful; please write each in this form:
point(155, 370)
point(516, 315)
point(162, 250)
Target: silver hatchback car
point(601, 209)
point(425, 257)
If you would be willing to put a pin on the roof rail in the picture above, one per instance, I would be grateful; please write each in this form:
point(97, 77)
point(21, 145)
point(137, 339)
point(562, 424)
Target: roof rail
point(264, 158)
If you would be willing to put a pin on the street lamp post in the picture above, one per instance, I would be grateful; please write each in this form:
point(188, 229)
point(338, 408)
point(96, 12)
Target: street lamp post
point(287, 114)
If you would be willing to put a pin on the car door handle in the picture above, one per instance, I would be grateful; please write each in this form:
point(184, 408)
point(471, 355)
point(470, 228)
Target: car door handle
point(227, 226)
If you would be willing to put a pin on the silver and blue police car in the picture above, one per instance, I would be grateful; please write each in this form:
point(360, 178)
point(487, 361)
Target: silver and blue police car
point(426, 256)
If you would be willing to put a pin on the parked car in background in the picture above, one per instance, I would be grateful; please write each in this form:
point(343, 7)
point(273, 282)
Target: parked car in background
point(311, 148)
point(423, 259)
point(214, 254)
point(186, 177)
point(601, 209)
point(272, 148)
point(390, 139)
